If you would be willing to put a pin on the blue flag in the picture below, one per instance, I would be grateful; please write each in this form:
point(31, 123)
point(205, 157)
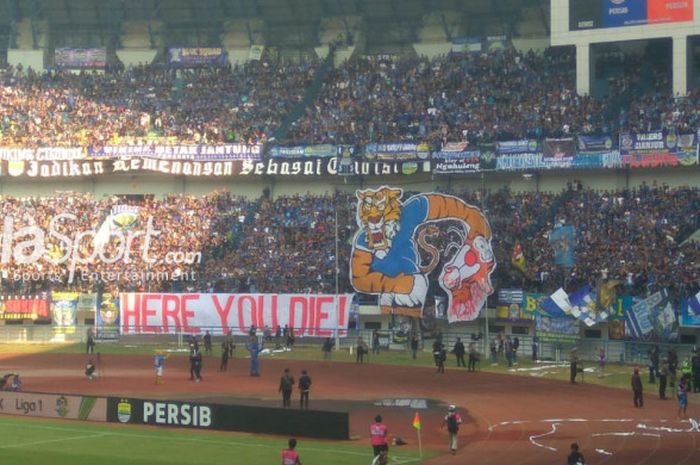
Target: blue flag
point(557, 305)
point(690, 311)
point(563, 242)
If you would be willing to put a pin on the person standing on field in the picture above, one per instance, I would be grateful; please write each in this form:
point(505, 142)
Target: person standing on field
point(304, 389)
point(159, 365)
point(459, 351)
point(378, 433)
point(290, 456)
point(414, 346)
point(90, 349)
point(286, 385)
point(636, 383)
point(575, 457)
point(452, 420)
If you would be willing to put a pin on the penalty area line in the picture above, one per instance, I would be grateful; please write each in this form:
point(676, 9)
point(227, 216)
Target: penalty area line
point(48, 441)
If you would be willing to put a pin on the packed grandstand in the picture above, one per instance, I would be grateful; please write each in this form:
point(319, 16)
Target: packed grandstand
point(287, 244)
point(494, 108)
point(499, 95)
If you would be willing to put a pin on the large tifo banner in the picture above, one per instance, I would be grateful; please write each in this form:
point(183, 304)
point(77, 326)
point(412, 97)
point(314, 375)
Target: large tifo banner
point(309, 315)
point(385, 260)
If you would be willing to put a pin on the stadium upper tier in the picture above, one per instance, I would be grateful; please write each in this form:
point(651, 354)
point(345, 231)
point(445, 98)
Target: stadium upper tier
point(502, 95)
point(221, 242)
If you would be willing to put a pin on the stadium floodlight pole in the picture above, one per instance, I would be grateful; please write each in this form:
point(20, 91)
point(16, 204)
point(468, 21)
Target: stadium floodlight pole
point(337, 284)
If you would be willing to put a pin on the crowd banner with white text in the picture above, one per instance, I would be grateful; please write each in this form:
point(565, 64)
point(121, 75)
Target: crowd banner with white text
point(455, 157)
point(518, 146)
point(268, 167)
point(190, 57)
point(41, 153)
point(80, 58)
point(397, 151)
point(180, 152)
point(658, 148)
point(158, 313)
point(88, 168)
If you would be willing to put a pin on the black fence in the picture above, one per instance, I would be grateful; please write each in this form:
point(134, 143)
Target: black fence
point(244, 418)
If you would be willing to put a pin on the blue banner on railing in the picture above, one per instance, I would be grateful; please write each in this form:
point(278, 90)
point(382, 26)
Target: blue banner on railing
point(658, 148)
point(187, 57)
point(609, 159)
point(594, 144)
point(556, 329)
point(531, 161)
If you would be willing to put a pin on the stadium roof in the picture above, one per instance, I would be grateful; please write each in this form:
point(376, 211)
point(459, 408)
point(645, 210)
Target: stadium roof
point(108, 15)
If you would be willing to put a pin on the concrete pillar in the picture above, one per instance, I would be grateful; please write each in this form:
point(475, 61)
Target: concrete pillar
point(680, 65)
point(583, 69)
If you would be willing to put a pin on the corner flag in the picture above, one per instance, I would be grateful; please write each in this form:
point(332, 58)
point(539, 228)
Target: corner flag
point(416, 421)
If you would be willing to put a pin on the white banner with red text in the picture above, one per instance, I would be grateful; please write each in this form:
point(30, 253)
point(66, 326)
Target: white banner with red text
point(194, 313)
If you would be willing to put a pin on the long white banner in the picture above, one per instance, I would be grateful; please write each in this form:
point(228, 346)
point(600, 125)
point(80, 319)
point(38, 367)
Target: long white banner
point(309, 315)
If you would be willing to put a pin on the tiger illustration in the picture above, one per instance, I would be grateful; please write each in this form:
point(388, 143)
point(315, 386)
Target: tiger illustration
point(385, 260)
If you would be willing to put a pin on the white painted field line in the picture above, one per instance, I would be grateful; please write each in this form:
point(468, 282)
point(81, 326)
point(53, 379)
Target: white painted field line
point(626, 433)
point(47, 441)
point(402, 459)
point(548, 433)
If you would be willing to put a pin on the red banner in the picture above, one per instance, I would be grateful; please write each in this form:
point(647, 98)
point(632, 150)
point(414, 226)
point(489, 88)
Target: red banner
point(669, 11)
point(309, 315)
point(24, 307)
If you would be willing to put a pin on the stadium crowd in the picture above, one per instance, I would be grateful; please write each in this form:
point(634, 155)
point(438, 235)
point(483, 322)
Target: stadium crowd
point(288, 244)
point(499, 95)
point(477, 97)
point(62, 109)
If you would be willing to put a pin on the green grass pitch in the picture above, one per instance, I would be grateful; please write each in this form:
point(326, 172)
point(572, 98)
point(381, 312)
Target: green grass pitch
point(59, 442)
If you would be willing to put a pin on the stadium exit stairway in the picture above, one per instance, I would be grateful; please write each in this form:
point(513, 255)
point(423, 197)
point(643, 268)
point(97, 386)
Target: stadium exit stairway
point(309, 97)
